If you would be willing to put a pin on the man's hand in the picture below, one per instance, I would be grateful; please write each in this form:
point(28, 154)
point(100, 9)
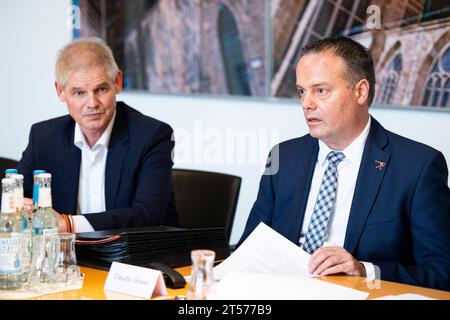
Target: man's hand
point(27, 205)
point(332, 260)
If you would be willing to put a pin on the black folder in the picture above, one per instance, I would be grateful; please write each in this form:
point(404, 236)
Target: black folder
point(141, 246)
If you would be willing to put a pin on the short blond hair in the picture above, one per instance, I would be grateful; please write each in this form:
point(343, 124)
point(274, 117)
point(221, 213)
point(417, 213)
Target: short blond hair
point(85, 53)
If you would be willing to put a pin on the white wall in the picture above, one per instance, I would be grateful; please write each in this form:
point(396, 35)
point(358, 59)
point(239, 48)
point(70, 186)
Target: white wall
point(33, 31)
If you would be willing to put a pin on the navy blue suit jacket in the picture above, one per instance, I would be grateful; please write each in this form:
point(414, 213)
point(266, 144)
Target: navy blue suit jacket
point(400, 215)
point(138, 173)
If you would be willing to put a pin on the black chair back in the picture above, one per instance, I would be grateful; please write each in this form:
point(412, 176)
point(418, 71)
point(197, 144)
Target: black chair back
point(206, 199)
point(6, 163)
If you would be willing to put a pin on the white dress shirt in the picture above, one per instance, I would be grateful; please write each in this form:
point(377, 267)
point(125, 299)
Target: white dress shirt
point(347, 171)
point(91, 186)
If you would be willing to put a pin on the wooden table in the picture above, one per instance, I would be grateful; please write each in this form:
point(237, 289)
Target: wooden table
point(95, 280)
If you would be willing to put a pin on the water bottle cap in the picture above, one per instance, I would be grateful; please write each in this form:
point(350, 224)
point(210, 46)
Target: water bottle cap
point(38, 171)
point(11, 171)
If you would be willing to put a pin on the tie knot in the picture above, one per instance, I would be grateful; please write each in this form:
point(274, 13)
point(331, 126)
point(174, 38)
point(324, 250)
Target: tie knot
point(334, 157)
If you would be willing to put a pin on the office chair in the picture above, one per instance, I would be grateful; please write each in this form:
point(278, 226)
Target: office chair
point(206, 199)
point(7, 164)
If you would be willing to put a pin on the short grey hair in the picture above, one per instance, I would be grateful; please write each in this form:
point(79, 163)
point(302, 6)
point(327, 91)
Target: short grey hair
point(85, 53)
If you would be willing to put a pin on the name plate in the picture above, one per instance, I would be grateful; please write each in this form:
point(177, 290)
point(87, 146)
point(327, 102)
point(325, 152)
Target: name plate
point(135, 281)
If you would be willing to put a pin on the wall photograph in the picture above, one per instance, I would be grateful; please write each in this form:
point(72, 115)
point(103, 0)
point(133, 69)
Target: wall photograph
point(251, 47)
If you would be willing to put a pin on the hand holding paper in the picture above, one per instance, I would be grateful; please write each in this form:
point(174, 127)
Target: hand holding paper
point(269, 266)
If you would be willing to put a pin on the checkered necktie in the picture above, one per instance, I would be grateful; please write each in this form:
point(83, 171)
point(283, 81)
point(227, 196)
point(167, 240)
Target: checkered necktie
point(318, 226)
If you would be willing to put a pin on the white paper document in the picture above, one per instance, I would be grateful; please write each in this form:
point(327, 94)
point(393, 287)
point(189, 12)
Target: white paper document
point(269, 266)
point(265, 251)
point(252, 286)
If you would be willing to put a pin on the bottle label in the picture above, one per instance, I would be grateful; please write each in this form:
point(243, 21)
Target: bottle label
point(8, 202)
point(19, 198)
point(45, 197)
point(10, 254)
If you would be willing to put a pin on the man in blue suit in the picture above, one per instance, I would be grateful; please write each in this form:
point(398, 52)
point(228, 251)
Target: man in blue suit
point(111, 166)
point(351, 193)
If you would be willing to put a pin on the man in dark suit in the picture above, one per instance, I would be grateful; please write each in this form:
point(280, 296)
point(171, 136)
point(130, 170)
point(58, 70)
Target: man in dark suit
point(354, 195)
point(111, 166)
